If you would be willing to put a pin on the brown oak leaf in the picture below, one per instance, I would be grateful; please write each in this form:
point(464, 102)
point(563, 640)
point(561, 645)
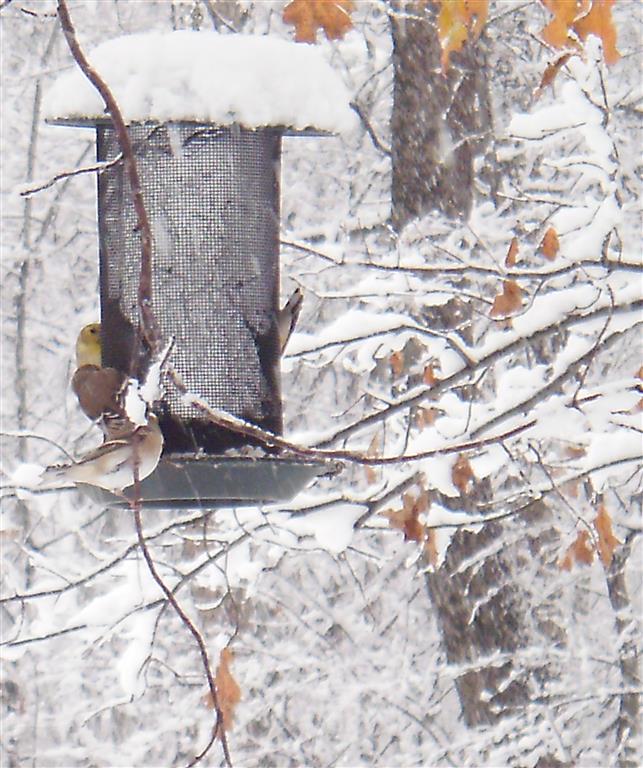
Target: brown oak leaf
point(607, 542)
point(462, 474)
point(549, 245)
point(458, 21)
point(307, 16)
point(406, 519)
point(574, 20)
point(228, 692)
point(578, 552)
point(549, 75)
point(512, 253)
point(599, 22)
point(507, 302)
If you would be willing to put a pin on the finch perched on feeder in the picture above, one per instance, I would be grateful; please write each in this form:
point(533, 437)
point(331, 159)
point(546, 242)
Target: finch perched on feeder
point(111, 466)
point(99, 389)
point(88, 346)
point(287, 317)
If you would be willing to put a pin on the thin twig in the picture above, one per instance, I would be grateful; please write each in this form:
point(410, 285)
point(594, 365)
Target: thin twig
point(22, 434)
point(96, 167)
point(369, 129)
point(40, 638)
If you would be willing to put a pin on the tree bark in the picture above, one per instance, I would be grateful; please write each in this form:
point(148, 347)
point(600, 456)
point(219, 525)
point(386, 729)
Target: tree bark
point(628, 723)
point(440, 121)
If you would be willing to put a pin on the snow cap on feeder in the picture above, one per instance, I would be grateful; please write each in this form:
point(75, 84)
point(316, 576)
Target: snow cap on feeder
point(206, 114)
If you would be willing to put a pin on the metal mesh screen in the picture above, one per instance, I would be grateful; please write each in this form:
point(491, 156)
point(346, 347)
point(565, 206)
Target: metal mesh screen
point(212, 197)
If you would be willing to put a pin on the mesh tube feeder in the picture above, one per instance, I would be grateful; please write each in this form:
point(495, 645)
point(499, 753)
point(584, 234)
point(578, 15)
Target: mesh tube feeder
point(206, 114)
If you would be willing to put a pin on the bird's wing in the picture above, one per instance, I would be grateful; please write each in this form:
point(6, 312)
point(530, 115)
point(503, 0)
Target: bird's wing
point(108, 448)
point(97, 390)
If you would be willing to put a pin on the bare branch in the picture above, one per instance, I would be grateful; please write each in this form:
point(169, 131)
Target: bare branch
point(218, 729)
point(464, 373)
point(544, 392)
point(271, 440)
point(149, 326)
point(369, 129)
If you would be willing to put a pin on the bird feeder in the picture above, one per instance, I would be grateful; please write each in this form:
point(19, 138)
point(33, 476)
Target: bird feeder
point(206, 115)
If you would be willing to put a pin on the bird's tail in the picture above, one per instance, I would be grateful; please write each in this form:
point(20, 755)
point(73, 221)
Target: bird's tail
point(288, 316)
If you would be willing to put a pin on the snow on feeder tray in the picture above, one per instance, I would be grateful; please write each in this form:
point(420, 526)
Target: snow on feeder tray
point(206, 114)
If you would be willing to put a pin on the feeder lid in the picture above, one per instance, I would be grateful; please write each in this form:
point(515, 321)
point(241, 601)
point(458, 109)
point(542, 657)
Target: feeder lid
point(221, 481)
point(205, 77)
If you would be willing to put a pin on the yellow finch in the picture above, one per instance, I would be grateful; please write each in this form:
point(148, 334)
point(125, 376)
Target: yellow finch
point(287, 317)
point(88, 346)
point(111, 465)
point(99, 389)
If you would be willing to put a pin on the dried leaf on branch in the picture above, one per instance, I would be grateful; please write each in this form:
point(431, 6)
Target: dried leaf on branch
point(549, 245)
point(607, 542)
point(429, 376)
point(406, 519)
point(599, 22)
point(307, 16)
point(581, 551)
point(550, 73)
point(425, 417)
point(508, 301)
point(512, 253)
point(574, 20)
point(396, 361)
point(459, 21)
point(374, 449)
point(228, 692)
point(462, 474)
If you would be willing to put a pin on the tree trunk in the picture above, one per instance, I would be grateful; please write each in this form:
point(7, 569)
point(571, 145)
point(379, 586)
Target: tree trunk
point(439, 123)
point(628, 724)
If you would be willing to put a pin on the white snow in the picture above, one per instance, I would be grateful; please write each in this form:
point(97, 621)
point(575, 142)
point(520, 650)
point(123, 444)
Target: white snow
point(135, 406)
point(27, 475)
point(140, 633)
point(332, 528)
point(207, 77)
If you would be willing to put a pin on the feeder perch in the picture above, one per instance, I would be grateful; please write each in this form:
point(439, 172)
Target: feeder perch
point(206, 114)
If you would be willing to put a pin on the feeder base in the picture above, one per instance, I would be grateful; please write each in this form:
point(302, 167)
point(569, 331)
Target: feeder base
point(223, 481)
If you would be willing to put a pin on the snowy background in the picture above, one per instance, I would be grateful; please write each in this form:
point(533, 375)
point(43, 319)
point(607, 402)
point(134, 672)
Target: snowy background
point(488, 641)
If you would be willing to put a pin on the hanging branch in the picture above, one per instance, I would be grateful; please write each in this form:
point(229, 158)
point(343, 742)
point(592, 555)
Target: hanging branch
point(218, 729)
point(149, 326)
point(149, 330)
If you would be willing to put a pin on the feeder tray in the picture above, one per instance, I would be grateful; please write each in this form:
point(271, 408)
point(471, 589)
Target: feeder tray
point(210, 483)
